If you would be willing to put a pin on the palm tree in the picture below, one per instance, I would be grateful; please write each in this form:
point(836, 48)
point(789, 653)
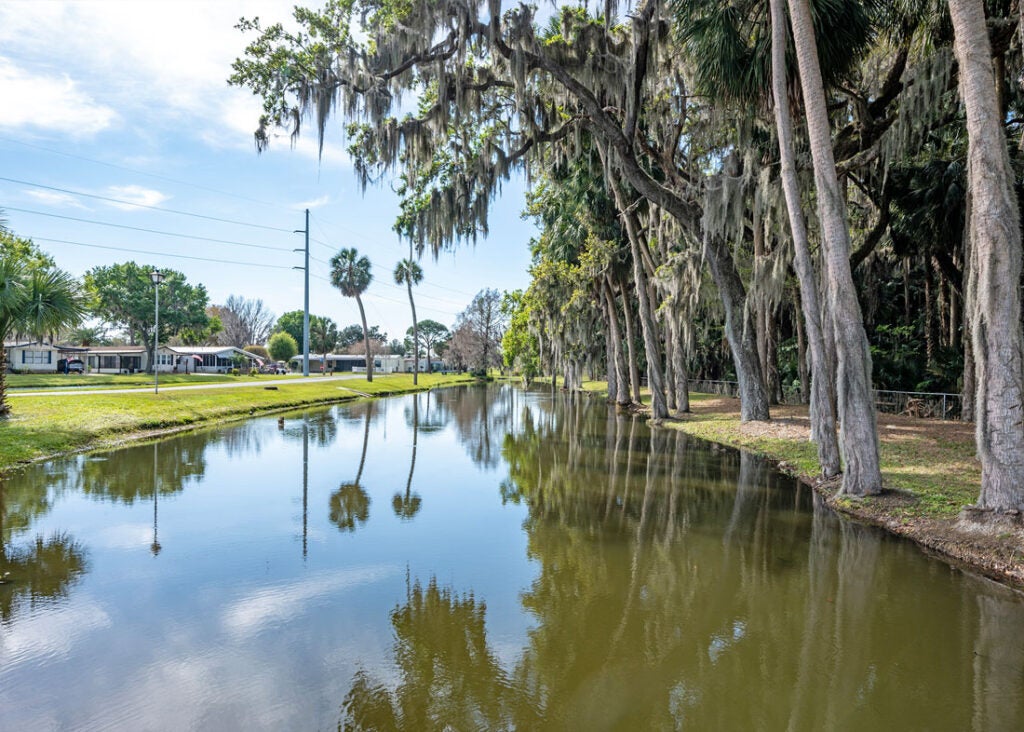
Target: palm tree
point(349, 506)
point(993, 297)
point(407, 506)
point(351, 274)
point(323, 333)
point(862, 475)
point(34, 300)
point(409, 273)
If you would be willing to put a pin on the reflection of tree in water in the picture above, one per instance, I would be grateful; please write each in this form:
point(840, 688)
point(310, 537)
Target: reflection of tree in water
point(127, 475)
point(349, 506)
point(482, 416)
point(43, 568)
point(318, 426)
point(408, 505)
point(450, 678)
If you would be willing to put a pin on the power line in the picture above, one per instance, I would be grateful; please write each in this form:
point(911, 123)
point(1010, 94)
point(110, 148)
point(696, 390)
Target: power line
point(158, 254)
point(148, 231)
point(142, 172)
point(123, 202)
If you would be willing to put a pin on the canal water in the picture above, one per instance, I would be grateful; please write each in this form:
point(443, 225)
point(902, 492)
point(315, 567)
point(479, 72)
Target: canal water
point(476, 559)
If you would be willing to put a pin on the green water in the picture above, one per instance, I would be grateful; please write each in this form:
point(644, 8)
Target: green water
point(476, 559)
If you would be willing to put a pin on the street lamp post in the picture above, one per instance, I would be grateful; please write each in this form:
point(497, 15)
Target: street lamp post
point(157, 276)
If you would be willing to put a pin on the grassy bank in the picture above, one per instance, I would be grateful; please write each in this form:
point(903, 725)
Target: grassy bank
point(44, 426)
point(929, 472)
point(33, 382)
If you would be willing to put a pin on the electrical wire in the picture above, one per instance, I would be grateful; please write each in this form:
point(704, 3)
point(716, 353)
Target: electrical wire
point(159, 254)
point(148, 231)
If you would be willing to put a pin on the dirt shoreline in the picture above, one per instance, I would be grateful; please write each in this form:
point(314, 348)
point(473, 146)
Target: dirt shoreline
point(994, 549)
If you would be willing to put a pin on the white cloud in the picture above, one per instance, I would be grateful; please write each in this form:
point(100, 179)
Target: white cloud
point(134, 195)
point(254, 612)
point(315, 203)
point(55, 198)
point(51, 103)
point(137, 63)
point(53, 633)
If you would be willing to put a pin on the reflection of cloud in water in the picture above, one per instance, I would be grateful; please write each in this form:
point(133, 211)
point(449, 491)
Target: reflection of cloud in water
point(262, 608)
point(50, 634)
point(124, 536)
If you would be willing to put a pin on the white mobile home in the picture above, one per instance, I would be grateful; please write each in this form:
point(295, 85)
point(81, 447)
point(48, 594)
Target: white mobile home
point(203, 359)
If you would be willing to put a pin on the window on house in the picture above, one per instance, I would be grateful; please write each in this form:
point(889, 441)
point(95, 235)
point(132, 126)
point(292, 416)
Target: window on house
point(37, 356)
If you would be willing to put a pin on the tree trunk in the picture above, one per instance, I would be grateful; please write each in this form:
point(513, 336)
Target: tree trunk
point(366, 340)
point(621, 380)
point(862, 475)
point(993, 294)
point(634, 366)
point(415, 335)
point(670, 368)
point(822, 410)
point(5, 408)
point(801, 355)
point(929, 317)
point(678, 357)
point(656, 379)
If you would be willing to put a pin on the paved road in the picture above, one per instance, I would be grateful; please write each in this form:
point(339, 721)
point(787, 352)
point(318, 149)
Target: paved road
point(149, 389)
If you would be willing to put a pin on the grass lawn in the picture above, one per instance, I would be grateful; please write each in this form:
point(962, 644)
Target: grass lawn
point(32, 382)
point(42, 426)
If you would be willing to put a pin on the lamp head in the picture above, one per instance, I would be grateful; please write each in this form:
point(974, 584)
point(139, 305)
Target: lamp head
point(157, 276)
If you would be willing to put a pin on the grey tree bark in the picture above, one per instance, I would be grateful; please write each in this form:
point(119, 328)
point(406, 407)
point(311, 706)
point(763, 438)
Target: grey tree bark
point(366, 341)
point(862, 475)
point(678, 356)
point(634, 366)
point(618, 366)
point(822, 411)
point(993, 294)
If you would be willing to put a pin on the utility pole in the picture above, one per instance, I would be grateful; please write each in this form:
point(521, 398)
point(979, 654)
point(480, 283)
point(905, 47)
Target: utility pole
point(305, 308)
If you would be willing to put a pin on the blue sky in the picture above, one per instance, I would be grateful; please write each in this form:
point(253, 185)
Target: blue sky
point(127, 101)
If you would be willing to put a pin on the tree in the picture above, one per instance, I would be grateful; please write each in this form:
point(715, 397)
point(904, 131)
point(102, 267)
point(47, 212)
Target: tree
point(323, 336)
point(282, 347)
point(409, 273)
point(993, 292)
point(244, 320)
point(862, 475)
point(482, 325)
point(823, 420)
point(291, 323)
point(260, 351)
point(350, 273)
point(518, 346)
point(432, 334)
point(35, 298)
point(122, 295)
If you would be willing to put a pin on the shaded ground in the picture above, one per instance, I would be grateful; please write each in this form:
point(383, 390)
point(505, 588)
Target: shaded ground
point(929, 471)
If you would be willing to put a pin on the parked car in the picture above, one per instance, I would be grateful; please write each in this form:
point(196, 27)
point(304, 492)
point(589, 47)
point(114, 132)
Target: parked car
point(71, 366)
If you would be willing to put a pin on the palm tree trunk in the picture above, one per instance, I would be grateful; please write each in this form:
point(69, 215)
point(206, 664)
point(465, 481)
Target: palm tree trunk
point(993, 295)
point(415, 337)
point(822, 411)
point(5, 408)
point(366, 339)
point(862, 475)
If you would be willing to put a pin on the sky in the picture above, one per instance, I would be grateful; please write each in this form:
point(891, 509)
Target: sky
point(126, 102)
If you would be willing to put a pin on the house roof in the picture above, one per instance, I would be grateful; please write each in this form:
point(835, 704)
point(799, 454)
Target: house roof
point(207, 350)
point(114, 350)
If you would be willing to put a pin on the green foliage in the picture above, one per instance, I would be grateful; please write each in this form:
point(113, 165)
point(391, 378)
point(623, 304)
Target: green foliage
point(518, 346)
point(291, 323)
point(350, 272)
point(432, 336)
point(122, 295)
point(282, 347)
point(260, 351)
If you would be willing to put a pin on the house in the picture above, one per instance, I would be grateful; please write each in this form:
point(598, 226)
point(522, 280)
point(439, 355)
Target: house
point(37, 357)
point(204, 359)
point(116, 359)
point(382, 363)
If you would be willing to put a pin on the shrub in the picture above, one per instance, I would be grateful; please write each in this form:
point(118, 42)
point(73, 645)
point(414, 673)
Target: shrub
point(258, 351)
point(235, 372)
point(254, 372)
point(282, 347)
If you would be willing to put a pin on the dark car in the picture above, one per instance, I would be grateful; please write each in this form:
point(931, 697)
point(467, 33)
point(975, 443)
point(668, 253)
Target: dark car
point(71, 366)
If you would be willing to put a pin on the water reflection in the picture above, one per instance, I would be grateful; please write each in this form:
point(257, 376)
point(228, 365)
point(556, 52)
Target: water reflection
point(350, 504)
point(568, 568)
